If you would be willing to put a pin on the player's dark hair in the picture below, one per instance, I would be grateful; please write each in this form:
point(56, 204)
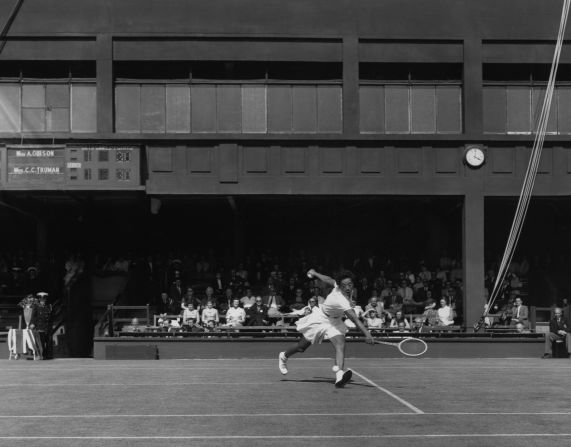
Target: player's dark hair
point(344, 274)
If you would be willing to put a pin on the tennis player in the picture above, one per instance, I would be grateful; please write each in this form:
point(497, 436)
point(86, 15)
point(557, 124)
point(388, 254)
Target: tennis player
point(327, 324)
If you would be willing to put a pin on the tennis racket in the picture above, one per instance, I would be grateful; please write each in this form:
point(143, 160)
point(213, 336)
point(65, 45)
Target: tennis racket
point(413, 347)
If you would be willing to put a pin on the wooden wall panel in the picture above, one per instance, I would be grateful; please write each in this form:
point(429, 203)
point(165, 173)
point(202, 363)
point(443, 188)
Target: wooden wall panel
point(228, 163)
point(446, 160)
point(199, 160)
point(255, 160)
point(160, 159)
point(409, 160)
point(293, 160)
point(371, 160)
point(503, 160)
point(332, 160)
point(372, 109)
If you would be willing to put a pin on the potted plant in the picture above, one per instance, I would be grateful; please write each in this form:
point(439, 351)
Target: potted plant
point(29, 304)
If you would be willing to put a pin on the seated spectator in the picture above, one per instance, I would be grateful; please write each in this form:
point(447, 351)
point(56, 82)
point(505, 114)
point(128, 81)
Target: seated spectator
point(235, 316)
point(398, 320)
point(190, 315)
point(298, 301)
point(312, 306)
point(430, 315)
point(402, 327)
point(210, 313)
point(257, 314)
point(372, 320)
point(520, 313)
point(189, 298)
point(315, 291)
point(209, 296)
point(248, 300)
point(559, 329)
point(445, 314)
point(167, 305)
point(274, 302)
point(133, 327)
point(521, 329)
point(358, 311)
point(393, 302)
point(376, 305)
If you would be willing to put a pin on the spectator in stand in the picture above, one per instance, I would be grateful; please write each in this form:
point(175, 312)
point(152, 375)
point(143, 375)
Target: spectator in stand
point(121, 265)
point(521, 329)
point(430, 315)
point(445, 314)
point(226, 302)
point(364, 292)
point(167, 305)
point(393, 302)
point(248, 300)
point(210, 313)
point(235, 316)
point(559, 329)
point(372, 320)
point(298, 301)
point(399, 319)
point(386, 291)
point(274, 302)
point(317, 296)
point(456, 272)
point(290, 291)
point(520, 313)
point(258, 314)
point(176, 291)
point(376, 305)
point(189, 298)
point(208, 296)
point(219, 284)
point(190, 315)
point(425, 275)
point(358, 312)
point(312, 306)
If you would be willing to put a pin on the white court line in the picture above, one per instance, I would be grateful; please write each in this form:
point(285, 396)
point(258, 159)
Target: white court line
point(270, 415)
point(394, 396)
point(403, 436)
point(149, 384)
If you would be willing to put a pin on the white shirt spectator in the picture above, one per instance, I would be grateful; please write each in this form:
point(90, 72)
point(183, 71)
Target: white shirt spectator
point(210, 314)
point(235, 316)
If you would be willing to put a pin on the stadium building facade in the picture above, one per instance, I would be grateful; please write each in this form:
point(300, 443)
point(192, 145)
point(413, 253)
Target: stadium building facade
point(227, 98)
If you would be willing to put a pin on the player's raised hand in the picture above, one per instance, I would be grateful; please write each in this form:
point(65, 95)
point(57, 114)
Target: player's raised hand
point(311, 273)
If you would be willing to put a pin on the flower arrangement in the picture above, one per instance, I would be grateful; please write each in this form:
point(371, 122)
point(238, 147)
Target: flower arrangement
point(29, 301)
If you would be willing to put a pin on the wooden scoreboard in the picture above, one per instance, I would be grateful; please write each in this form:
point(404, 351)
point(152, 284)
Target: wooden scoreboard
point(61, 167)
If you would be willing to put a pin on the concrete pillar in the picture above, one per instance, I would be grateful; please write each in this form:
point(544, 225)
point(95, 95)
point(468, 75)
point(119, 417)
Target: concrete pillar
point(473, 93)
point(473, 257)
point(350, 85)
point(104, 63)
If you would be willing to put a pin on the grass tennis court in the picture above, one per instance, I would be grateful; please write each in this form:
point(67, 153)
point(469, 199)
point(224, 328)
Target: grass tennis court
point(397, 402)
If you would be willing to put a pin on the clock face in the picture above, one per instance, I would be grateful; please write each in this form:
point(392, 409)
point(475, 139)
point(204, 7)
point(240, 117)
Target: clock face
point(475, 157)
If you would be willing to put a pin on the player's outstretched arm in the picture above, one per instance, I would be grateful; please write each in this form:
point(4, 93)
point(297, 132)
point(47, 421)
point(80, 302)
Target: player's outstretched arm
point(355, 319)
point(326, 279)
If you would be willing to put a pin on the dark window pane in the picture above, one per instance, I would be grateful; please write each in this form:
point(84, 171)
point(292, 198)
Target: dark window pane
point(103, 155)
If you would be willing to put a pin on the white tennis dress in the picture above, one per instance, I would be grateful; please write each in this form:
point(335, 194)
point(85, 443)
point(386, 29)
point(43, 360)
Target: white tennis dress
point(326, 322)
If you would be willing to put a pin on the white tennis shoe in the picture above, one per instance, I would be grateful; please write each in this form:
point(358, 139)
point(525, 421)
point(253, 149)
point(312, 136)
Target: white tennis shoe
point(282, 363)
point(342, 377)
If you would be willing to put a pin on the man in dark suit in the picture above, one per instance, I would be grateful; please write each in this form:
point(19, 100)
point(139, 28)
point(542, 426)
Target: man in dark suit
point(559, 329)
point(257, 314)
point(520, 313)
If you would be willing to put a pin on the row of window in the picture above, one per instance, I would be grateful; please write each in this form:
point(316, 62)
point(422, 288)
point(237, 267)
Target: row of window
point(48, 107)
point(391, 108)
